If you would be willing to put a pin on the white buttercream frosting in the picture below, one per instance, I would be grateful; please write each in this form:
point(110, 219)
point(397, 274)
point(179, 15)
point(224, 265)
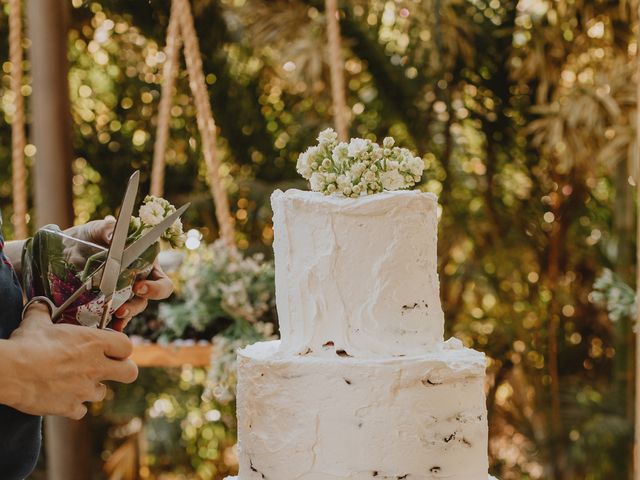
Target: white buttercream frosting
point(329, 418)
point(357, 276)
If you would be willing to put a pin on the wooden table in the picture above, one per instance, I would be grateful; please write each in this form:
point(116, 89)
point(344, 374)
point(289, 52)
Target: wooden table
point(171, 355)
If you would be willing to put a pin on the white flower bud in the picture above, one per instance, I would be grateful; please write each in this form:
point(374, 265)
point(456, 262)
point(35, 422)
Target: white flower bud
point(388, 142)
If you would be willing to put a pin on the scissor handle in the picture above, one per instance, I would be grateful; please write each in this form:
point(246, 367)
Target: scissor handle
point(40, 299)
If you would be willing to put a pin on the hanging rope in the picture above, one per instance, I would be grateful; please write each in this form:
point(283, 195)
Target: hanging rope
point(169, 73)
point(204, 117)
point(19, 171)
point(336, 64)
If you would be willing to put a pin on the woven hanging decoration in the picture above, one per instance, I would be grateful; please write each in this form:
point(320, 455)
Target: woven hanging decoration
point(336, 65)
point(18, 141)
point(181, 29)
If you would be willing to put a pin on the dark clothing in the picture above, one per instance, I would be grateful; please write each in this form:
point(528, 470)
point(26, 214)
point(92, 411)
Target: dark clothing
point(20, 434)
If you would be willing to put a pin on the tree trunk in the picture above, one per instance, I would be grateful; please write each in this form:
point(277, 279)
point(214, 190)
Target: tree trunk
point(624, 339)
point(67, 441)
point(51, 117)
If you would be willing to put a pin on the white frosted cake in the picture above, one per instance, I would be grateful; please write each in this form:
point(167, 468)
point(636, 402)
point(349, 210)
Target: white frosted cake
point(361, 384)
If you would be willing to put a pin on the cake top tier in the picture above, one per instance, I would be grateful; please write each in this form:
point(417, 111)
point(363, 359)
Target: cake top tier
point(357, 277)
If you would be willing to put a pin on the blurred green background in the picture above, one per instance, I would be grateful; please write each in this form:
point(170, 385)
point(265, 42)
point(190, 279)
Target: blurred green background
point(524, 112)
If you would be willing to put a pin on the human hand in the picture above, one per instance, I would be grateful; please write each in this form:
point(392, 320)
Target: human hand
point(157, 286)
point(95, 231)
point(54, 368)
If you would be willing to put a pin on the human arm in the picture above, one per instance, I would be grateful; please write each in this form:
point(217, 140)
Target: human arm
point(52, 369)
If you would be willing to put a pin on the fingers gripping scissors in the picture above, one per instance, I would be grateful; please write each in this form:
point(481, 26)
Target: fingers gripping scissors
point(119, 256)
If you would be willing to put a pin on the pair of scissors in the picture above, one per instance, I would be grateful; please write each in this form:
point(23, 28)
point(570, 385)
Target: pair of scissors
point(119, 256)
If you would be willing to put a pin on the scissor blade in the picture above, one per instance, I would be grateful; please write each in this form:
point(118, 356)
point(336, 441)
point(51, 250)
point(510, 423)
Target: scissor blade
point(138, 247)
point(113, 263)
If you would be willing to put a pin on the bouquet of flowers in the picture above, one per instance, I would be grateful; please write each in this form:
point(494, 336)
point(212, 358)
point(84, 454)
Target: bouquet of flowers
point(359, 167)
point(229, 296)
point(56, 264)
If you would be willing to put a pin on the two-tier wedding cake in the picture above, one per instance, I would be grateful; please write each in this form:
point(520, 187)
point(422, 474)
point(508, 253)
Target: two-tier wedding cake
point(361, 384)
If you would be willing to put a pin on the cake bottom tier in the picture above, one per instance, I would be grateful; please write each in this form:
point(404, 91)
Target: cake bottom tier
point(318, 418)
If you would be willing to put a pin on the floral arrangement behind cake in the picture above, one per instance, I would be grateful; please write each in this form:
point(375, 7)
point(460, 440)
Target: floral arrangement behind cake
point(231, 297)
point(359, 167)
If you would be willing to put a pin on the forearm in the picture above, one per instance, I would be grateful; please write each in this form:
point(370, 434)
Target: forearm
point(10, 391)
point(13, 251)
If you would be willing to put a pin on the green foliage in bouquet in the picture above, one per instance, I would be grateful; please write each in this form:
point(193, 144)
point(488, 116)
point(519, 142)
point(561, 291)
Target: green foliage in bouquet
point(220, 289)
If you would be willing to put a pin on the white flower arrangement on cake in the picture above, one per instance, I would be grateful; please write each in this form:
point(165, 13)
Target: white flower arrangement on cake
point(359, 167)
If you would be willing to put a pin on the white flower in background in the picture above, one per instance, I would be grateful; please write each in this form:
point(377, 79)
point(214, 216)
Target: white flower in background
point(220, 282)
point(357, 146)
point(392, 180)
